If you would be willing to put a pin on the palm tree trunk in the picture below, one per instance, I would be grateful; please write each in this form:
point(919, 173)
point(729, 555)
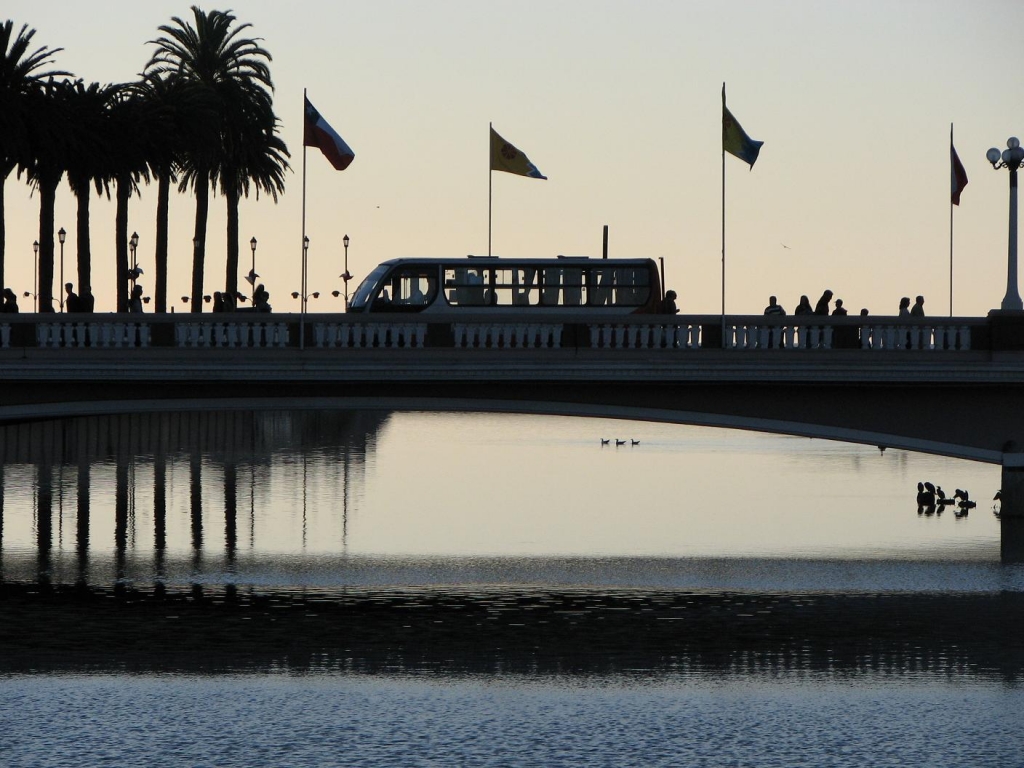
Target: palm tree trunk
point(83, 243)
point(47, 202)
point(231, 282)
point(124, 191)
point(162, 208)
point(199, 240)
point(5, 171)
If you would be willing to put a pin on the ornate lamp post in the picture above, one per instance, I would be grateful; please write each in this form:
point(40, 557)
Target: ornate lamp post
point(252, 273)
point(61, 235)
point(345, 275)
point(1011, 158)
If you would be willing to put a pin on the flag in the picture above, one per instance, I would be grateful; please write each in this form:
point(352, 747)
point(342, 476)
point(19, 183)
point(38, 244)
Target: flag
point(957, 172)
point(735, 140)
point(505, 157)
point(318, 133)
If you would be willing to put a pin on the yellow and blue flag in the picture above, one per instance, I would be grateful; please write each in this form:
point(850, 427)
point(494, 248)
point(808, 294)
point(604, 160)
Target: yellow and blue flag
point(505, 157)
point(735, 140)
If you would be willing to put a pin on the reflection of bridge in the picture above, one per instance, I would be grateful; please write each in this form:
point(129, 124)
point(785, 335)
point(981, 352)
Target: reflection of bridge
point(949, 386)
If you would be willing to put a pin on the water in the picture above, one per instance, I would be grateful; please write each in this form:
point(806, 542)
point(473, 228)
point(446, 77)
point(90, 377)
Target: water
point(434, 589)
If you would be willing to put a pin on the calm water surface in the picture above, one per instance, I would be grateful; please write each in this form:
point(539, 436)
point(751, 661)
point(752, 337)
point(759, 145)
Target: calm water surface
point(434, 589)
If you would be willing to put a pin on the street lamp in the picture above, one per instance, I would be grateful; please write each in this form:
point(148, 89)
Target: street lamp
point(35, 294)
point(345, 275)
point(252, 274)
point(62, 236)
point(1011, 158)
point(133, 243)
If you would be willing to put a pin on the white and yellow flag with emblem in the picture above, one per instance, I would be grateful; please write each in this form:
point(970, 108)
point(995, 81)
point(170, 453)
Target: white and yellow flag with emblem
point(505, 157)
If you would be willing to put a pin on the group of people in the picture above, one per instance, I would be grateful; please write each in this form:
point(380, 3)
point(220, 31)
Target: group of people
point(225, 301)
point(823, 307)
point(73, 302)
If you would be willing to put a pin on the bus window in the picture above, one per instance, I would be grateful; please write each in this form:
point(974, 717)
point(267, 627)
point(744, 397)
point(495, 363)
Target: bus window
point(552, 281)
point(524, 283)
point(413, 287)
point(572, 287)
point(465, 287)
point(601, 281)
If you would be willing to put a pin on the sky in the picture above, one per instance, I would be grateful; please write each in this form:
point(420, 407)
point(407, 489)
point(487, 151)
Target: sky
point(619, 105)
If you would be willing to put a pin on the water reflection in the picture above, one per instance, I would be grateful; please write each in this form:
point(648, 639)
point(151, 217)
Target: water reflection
point(222, 541)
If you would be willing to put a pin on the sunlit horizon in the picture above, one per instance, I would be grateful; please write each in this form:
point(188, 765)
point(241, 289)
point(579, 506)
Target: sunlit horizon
point(620, 107)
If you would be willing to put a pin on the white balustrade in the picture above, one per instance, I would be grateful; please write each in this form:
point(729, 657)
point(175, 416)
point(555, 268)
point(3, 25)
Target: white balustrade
point(918, 337)
point(370, 335)
point(644, 336)
point(97, 335)
point(5, 335)
point(506, 335)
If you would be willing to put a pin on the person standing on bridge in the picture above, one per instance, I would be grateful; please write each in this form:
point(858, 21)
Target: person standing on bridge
point(905, 306)
point(135, 302)
point(822, 307)
point(668, 304)
point(774, 308)
point(804, 307)
point(10, 306)
point(918, 309)
point(72, 304)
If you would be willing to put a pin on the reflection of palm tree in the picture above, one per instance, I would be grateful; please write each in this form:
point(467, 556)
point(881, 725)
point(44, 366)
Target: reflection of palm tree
point(233, 72)
point(21, 72)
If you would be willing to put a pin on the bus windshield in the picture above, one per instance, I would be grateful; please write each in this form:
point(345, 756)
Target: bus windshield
point(364, 292)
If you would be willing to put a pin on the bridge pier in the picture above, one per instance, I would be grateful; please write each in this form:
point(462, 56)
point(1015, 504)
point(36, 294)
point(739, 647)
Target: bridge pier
point(1012, 487)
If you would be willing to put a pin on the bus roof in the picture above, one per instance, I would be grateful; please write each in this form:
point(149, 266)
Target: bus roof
point(510, 261)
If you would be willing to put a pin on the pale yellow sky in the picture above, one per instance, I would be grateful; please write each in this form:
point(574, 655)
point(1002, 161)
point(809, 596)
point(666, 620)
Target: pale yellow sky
point(619, 105)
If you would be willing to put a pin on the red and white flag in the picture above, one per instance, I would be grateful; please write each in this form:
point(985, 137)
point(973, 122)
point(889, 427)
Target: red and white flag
point(318, 133)
point(958, 174)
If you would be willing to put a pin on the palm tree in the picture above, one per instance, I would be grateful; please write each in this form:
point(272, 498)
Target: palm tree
point(129, 128)
point(89, 165)
point(21, 72)
point(183, 117)
point(50, 144)
point(255, 158)
point(232, 70)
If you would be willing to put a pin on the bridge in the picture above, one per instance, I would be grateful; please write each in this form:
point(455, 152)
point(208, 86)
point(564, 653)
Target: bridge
point(950, 386)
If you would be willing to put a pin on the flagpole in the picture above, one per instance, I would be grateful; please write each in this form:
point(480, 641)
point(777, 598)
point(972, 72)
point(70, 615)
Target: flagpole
point(490, 181)
point(951, 227)
point(302, 243)
point(723, 215)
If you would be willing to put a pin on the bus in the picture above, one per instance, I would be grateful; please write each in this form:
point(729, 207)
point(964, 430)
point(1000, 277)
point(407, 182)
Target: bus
point(518, 287)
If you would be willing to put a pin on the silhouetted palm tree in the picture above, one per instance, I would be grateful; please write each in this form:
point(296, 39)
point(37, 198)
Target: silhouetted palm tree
point(50, 143)
point(254, 158)
point(233, 71)
point(91, 161)
point(129, 130)
point(184, 117)
point(21, 72)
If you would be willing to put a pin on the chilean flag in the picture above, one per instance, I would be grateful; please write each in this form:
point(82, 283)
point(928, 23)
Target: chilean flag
point(318, 133)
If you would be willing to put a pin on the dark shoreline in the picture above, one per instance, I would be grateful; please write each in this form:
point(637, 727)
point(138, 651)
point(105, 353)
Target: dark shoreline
point(49, 629)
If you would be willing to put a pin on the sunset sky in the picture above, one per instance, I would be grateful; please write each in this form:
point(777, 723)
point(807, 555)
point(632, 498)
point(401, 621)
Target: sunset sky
point(619, 105)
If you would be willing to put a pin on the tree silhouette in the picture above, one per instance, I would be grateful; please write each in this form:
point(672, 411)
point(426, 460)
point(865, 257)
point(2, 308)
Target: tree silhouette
point(21, 73)
point(233, 72)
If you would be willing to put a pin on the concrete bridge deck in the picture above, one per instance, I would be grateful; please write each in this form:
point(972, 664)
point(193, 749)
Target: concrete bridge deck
point(948, 386)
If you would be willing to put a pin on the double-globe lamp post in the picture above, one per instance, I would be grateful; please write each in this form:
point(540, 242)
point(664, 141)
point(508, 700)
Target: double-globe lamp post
point(1011, 158)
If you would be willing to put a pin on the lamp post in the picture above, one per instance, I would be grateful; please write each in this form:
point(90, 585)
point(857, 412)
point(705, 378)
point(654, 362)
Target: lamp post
point(133, 243)
point(252, 274)
point(35, 292)
point(345, 275)
point(1011, 158)
point(61, 235)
